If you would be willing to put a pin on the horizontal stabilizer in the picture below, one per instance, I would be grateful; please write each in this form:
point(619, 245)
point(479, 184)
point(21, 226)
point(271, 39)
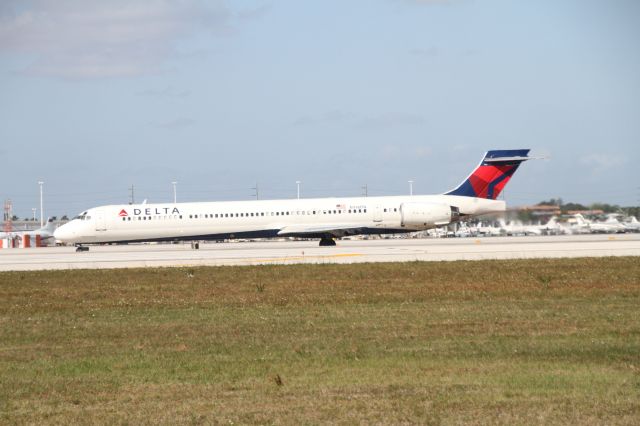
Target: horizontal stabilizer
point(506, 159)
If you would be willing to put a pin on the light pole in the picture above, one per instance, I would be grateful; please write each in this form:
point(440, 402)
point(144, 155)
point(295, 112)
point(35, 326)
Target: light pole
point(175, 194)
point(41, 209)
point(33, 209)
point(410, 187)
point(298, 184)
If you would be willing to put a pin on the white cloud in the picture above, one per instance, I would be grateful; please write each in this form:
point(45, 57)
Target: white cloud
point(86, 39)
point(177, 123)
point(601, 163)
point(385, 120)
point(167, 92)
point(254, 13)
point(393, 119)
point(430, 52)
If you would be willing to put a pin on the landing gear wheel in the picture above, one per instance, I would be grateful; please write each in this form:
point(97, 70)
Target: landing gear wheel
point(81, 248)
point(327, 242)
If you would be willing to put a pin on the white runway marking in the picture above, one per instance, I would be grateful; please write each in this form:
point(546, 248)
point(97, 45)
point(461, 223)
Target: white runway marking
point(291, 252)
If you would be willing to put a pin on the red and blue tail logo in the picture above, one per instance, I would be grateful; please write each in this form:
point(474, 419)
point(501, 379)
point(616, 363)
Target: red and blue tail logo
point(490, 177)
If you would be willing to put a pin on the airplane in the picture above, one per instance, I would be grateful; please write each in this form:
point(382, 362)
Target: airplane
point(611, 225)
point(488, 230)
point(577, 224)
point(511, 228)
point(322, 218)
point(464, 231)
point(45, 232)
point(632, 224)
point(551, 227)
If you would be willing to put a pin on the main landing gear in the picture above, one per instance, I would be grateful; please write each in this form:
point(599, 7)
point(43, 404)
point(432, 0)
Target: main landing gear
point(81, 248)
point(327, 242)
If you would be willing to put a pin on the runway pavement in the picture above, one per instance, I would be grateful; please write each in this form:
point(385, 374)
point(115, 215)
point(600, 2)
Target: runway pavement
point(291, 252)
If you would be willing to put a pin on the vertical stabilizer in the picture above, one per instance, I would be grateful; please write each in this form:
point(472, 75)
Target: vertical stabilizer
point(492, 174)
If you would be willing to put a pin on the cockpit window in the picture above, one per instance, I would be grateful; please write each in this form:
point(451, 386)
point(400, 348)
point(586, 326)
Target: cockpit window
point(82, 216)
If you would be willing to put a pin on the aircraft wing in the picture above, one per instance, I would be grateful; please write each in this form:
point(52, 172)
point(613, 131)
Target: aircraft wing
point(334, 229)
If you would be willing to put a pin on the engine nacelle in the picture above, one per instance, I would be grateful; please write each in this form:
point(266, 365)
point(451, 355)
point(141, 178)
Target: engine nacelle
point(427, 215)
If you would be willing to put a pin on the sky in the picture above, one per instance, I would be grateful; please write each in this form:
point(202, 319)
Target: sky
point(97, 96)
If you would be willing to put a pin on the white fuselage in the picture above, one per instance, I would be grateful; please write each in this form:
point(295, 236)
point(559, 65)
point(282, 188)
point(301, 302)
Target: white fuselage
point(254, 219)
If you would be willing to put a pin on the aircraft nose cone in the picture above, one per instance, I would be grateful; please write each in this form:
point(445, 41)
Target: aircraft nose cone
point(63, 233)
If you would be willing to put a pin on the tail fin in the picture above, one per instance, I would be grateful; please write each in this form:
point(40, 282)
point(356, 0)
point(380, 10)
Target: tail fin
point(50, 226)
point(492, 174)
point(580, 220)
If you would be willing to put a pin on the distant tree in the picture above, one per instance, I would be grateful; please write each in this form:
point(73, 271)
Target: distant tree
point(607, 208)
point(526, 215)
point(632, 211)
point(64, 217)
point(573, 206)
point(551, 202)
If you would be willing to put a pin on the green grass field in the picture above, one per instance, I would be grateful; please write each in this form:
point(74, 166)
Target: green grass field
point(527, 341)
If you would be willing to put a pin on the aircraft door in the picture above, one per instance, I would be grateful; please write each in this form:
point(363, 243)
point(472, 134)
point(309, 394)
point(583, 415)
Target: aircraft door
point(377, 213)
point(101, 224)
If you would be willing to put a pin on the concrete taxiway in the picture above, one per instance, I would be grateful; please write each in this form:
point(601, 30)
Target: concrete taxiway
point(292, 252)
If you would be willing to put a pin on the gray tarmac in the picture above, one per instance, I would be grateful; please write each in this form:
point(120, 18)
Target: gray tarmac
point(294, 252)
